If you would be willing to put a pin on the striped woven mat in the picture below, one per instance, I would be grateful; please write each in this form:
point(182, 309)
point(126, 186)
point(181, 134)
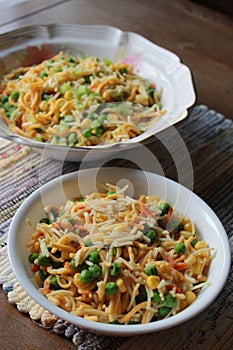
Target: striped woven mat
point(208, 137)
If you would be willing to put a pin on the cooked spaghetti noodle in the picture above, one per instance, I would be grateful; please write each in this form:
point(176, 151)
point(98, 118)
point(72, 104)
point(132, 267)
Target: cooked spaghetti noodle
point(114, 259)
point(46, 102)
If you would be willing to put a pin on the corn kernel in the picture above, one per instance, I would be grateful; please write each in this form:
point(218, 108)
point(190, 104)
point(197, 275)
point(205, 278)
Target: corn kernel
point(68, 95)
point(153, 281)
point(182, 304)
point(121, 285)
point(190, 297)
point(196, 268)
point(44, 106)
point(190, 259)
point(200, 244)
point(189, 227)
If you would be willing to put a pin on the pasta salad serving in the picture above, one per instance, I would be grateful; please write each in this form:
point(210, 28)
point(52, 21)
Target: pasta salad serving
point(111, 258)
point(58, 100)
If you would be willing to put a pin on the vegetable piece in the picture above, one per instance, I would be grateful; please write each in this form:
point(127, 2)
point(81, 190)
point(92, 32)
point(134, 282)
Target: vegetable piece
point(53, 284)
point(32, 257)
point(151, 91)
point(151, 234)
point(4, 99)
point(123, 71)
point(170, 300)
point(94, 257)
point(43, 260)
point(15, 95)
point(43, 75)
point(115, 269)
point(87, 133)
point(72, 138)
point(156, 297)
point(95, 270)
point(193, 242)
point(44, 221)
point(109, 193)
point(180, 248)
point(163, 311)
point(164, 207)
point(86, 276)
point(111, 288)
point(151, 270)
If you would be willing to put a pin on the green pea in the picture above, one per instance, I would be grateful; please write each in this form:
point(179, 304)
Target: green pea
point(32, 257)
point(151, 234)
point(70, 59)
point(44, 221)
point(94, 257)
point(43, 75)
point(86, 276)
point(124, 71)
point(53, 284)
point(151, 91)
point(4, 99)
point(87, 79)
point(101, 118)
point(164, 310)
point(95, 124)
point(87, 133)
point(111, 288)
point(115, 269)
point(156, 297)
point(15, 95)
point(107, 61)
point(69, 118)
point(43, 260)
point(109, 193)
point(72, 264)
point(170, 301)
point(72, 138)
point(164, 207)
point(194, 241)
point(180, 248)
point(91, 116)
point(43, 274)
point(151, 270)
point(99, 131)
point(95, 270)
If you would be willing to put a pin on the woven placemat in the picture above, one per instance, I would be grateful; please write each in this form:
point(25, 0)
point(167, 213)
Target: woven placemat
point(208, 137)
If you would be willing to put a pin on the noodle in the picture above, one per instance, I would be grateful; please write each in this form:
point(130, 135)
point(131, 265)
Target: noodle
point(59, 101)
point(107, 267)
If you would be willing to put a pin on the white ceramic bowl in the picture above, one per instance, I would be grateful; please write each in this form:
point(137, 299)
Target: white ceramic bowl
point(79, 183)
point(153, 62)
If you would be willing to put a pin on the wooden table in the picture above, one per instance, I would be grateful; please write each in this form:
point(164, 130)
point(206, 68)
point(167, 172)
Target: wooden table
point(202, 38)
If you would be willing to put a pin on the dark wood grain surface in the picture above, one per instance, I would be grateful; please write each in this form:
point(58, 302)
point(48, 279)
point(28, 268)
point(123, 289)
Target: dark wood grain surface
point(201, 37)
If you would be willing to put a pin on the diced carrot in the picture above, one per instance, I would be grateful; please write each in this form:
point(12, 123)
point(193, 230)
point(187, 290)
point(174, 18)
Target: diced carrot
point(145, 211)
point(86, 293)
point(67, 264)
point(170, 287)
point(35, 268)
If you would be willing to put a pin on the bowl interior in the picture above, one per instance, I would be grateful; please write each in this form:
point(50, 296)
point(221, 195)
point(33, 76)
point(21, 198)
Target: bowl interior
point(83, 182)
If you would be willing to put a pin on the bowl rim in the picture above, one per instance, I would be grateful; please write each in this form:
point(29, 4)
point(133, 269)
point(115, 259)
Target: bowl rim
point(98, 327)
